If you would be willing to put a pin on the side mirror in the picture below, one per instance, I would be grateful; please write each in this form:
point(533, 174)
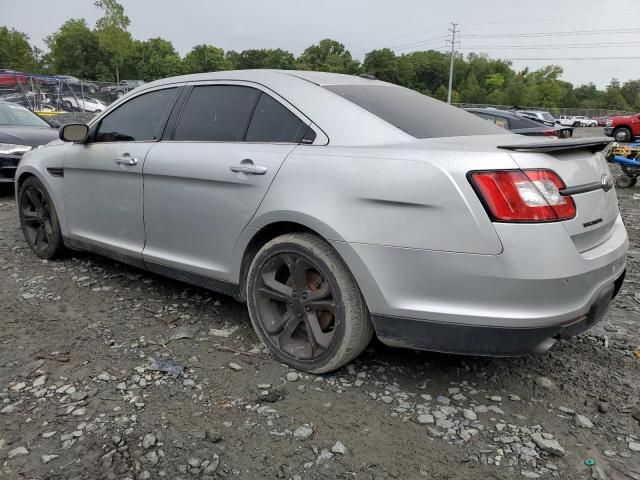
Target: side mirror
point(74, 132)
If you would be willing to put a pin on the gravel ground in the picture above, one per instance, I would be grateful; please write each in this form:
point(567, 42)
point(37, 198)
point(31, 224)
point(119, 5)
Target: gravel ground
point(109, 372)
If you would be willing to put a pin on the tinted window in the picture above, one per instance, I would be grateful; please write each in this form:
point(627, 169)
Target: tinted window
point(414, 113)
point(218, 113)
point(272, 122)
point(139, 119)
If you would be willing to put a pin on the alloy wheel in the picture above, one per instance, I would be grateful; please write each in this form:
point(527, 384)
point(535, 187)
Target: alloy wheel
point(36, 218)
point(298, 306)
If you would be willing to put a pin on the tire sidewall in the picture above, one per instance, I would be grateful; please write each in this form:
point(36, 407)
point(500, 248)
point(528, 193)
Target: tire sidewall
point(348, 307)
point(56, 243)
point(627, 135)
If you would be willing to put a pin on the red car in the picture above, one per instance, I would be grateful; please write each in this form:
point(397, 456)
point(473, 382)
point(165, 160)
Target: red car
point(623, 128)
point(12, 77)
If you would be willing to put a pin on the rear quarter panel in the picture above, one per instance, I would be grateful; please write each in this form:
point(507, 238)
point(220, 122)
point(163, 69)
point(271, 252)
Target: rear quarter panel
point(417, 199)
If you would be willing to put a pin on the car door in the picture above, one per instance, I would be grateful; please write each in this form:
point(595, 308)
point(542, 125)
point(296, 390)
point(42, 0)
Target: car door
point(103, 176)
point(204, 184)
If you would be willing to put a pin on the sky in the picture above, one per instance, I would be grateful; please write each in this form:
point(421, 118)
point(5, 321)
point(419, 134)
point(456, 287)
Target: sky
point(593, 40)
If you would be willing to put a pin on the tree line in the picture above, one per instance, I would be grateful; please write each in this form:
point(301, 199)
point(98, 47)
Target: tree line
point(108, 52)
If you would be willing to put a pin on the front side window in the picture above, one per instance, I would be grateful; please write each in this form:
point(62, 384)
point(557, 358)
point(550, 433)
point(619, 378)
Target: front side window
point(217, 113)
point(272, 122)
point(139, 119)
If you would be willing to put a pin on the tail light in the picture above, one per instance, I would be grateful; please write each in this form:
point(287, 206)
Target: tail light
point(523, 195)
point(552, 133)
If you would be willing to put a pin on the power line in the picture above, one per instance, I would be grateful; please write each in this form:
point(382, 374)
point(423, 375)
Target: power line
point(571, 58)
point(617, 31)
point(550, 20)
point(557, 46)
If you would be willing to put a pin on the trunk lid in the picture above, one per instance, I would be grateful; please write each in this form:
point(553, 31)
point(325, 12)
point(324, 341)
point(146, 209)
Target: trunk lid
point(585, 172)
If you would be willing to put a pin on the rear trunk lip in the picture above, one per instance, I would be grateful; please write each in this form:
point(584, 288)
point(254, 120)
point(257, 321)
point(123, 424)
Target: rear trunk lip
point(594, 144)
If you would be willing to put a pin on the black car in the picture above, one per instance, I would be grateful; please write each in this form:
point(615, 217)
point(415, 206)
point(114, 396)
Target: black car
point(20, 131)
point(519, 122)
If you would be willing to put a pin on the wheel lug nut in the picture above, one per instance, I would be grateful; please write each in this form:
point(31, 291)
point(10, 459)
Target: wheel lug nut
point(305, 295)
point(299, 315)
point(294, 294)
point(307, 309)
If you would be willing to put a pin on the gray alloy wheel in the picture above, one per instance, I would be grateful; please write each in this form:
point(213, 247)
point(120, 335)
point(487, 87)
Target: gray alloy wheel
point(39, 220)
point(622, 134)
point(305, 305)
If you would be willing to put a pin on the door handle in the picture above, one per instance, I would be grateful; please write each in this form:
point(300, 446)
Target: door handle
point(249, 169)
point(126, 160)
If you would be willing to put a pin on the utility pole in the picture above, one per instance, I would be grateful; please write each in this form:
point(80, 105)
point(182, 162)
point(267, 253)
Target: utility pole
point(453, 31)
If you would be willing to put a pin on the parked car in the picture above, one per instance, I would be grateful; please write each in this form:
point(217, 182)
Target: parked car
point(68, 82)
point(12, 77)
point(577, 121)
point(80, 104)
point(119, 89)
point(537, 114)
point(20, 131)
point(521, 124)
point(602, 121)
point(336, 208)
point(623, 128)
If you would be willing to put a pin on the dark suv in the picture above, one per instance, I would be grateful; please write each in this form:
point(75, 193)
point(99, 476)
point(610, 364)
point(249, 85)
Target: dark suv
point(119, 89)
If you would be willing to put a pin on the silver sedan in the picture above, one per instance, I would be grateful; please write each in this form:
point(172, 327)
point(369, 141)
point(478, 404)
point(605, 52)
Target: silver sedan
point(338, 207)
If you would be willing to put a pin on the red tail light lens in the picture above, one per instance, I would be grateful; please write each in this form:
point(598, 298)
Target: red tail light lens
point(551, 133)
point(523, 195)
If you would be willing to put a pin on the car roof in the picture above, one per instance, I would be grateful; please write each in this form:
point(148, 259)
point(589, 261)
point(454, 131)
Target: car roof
point(267, 75)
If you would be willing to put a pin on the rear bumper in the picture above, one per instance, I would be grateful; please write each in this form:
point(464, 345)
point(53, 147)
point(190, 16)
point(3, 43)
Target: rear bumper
point(484, 340)
point(538, 289)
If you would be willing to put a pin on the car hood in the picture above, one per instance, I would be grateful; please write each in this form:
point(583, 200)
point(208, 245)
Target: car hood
point(32, 136)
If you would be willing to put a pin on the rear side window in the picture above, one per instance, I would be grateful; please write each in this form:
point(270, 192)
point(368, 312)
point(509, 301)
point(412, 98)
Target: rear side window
point(416, 114)
point(272, 122)
point(217, 113)
point(140, 119)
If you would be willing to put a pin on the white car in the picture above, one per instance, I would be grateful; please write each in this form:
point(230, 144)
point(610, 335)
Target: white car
point(577, 121)
point(86, 104)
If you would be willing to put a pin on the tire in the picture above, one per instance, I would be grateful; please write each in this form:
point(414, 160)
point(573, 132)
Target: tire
point(634, 180)
point(622, 134)
point(288, 280)
point(577, 124)
point(39, 220)
point(624, 181)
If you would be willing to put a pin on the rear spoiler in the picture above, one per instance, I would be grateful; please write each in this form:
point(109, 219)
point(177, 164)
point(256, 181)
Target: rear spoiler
point(594, 144)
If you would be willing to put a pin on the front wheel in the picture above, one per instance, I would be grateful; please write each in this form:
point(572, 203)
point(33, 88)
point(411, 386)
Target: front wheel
point(39, 220)
point(622, 134)
point(305, 305)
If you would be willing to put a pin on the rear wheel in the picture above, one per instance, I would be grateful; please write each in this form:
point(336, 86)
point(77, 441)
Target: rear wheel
point(39, 220)
point(622, 134)
point(305, 305)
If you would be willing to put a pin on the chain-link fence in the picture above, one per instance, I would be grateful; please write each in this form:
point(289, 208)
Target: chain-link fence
point(594, 113)
point(51, 95)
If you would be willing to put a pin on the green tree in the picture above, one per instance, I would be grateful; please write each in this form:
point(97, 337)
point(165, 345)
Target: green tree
point(15, 50)
point(205, 58)
point(631, 92)
point(383, 64)
point(328, 56)
point(155, 58)
point(264, 58)
point(112, 33)
point(74, 49)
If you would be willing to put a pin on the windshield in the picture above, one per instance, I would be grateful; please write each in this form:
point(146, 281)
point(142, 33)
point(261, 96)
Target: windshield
point(18, 115)
point(416, 114)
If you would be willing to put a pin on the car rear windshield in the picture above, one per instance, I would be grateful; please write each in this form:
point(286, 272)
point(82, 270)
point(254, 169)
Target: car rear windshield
point(414, 113)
